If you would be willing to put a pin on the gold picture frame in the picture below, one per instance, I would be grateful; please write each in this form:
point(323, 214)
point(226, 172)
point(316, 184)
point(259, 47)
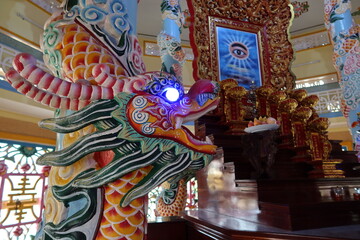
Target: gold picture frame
point(270, 19)
point(240, 50)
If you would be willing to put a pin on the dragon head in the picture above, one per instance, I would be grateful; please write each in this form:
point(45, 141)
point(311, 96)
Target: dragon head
point(141, 129)
point(162, 109)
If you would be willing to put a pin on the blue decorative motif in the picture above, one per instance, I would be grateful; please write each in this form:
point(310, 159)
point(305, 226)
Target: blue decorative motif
point(92, 14)
point(119, 22)
point(140, 117)
point(117, 7)
point(139, 102)
point(160, 86)
point(147, 129)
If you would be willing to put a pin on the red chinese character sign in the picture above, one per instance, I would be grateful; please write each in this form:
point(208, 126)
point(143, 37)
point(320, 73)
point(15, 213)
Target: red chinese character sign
point(22, 186)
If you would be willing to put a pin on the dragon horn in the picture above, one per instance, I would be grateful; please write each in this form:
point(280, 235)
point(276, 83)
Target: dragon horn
point(25, 64)
point(43, 97)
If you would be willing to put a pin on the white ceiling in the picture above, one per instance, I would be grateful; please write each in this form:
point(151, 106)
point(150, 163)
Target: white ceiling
point(149, 17)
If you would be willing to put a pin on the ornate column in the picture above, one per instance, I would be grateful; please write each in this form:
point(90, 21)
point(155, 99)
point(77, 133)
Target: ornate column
point(172, 54)
point(344, 33)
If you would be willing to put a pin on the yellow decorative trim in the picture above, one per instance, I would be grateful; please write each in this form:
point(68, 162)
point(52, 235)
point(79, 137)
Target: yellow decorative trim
point(16, 116)
point(29, 139)
point(307, 34)
point(25, 203)
point(20, 38)
point(316, 76)
point(302, 50)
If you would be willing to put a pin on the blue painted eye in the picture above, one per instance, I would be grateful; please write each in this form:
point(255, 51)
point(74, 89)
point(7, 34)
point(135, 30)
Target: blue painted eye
point(172, 94)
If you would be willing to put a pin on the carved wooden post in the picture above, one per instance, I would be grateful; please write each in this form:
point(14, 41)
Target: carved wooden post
point(285, 111)
point(274, 99)
point(225, 85)
point(262, 94)
point(234, 111)
point(320, 149)
point(299, 120)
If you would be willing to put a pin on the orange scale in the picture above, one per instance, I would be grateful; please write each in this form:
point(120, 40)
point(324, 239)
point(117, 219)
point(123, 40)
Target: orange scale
point(125, 228)
point(120, 71)
point(137, 218)
point(93, 57)
point(88, 71)
point(107, 205)
point(146, 169)
point(105, 222)
point(78, 73)
point(88, 74)
point(139, 176)
point(66, 65)
point(82, 36)
point(109, 190)
point(138, 202)
point(68, 38)
point(80, 47)
point(138, 235)
point(126, 188)
point(93, 48)
point(67, 50)
point(114, 198)
point(118, 183)
point(109, 232)
point(112, 68)
point(71, 27)
point(130, 175)
point(105, 58)
point(113, 216)
point(127, 211)
point(78, 60)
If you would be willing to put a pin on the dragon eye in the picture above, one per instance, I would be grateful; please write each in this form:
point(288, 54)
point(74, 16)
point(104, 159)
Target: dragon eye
point(172, 94)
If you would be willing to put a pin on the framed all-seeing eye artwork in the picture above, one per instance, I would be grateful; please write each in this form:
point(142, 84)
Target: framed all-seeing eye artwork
point(244, 40)
point(239, 51)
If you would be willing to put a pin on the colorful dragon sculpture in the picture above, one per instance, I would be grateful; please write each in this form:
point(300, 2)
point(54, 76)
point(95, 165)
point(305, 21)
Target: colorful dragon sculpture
point(345, 37)
point(120, 133)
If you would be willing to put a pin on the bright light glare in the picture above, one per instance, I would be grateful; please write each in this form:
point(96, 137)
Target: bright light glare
point(172, 94)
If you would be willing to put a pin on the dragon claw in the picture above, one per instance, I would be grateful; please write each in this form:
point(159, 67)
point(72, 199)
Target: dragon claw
point(11, 75)
point(23, 59)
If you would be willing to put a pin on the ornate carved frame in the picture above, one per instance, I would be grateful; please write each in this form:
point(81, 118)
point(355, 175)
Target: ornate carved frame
point(274, 16)
point(262, 49)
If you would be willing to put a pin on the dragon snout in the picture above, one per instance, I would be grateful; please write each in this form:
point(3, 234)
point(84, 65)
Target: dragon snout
point(204, 90)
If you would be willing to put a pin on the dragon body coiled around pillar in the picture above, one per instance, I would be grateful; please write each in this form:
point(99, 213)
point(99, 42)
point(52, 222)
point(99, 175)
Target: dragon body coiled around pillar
point(120, 129)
